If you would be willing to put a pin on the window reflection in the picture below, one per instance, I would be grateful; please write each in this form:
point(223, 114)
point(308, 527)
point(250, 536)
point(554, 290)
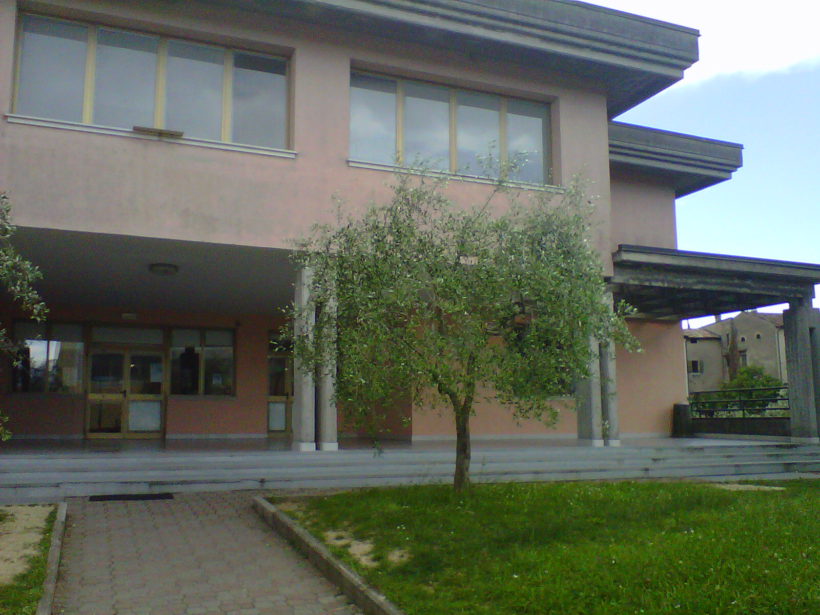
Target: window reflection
point(445, 129)
point(526, 135)
point(427, 126)
point(125, 79)
point(259, 101)
point(372, 119)
point(194, 90)
point(52, 69)
point(478, 129)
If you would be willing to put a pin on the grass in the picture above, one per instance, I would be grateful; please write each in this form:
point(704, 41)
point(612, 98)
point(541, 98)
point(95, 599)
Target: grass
point(585, 548)
point(21, 596)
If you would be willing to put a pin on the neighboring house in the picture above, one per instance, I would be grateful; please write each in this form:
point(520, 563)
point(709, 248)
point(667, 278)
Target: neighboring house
point(750, 338)
point(704, 360)
point(161, 156)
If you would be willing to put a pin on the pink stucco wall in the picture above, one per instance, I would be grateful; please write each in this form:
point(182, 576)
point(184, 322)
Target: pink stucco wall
point(651, 381)
point(643, 211)
point(243, 198)
point(492, 419)
point(75, 180)
point(244, 413)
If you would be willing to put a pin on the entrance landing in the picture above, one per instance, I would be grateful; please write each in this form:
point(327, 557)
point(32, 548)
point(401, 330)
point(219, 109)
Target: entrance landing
point(29, 474)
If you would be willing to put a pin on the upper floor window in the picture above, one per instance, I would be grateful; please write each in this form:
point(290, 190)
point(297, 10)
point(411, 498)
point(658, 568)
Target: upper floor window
point(111, 77)
point(458, 131)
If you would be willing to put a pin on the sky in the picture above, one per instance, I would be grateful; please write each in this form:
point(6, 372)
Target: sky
point(757, 83)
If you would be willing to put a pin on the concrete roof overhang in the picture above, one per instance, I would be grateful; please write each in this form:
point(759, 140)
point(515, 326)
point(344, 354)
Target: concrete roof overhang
point(102, 270)
point(687, 162)
point(632, 57)
point(666, 284)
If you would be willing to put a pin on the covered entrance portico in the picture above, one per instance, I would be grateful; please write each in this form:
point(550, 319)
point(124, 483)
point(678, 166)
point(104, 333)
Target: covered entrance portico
point(672, 285)
point(151, 338)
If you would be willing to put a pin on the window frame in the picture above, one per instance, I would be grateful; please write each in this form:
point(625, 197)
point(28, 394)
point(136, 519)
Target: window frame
point(287, 398)
point(48, 338)
point(452, 94)
point(158, 130)
point(200, 348)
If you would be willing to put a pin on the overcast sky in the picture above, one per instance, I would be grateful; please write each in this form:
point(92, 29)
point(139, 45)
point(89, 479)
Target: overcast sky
point(757, 83)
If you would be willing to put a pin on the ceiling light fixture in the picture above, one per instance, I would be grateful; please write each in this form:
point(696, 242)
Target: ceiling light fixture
point(163, 269)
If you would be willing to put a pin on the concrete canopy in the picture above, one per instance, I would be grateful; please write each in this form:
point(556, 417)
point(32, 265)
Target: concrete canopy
point(688, 163)
point(633, 57)
point(666, 284)
point(96, 269)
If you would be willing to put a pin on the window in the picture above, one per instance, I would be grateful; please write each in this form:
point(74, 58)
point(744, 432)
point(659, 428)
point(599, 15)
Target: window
point(202, 362)
point(696, 367)
point(50, 359)
point(280, 382)
point(412, 123)
point(120, 79)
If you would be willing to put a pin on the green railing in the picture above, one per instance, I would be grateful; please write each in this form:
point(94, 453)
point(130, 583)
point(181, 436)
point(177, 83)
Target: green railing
point(741, 403)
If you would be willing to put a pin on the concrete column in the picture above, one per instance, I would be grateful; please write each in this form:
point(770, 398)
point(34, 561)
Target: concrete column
point(814, 336)
point(588, 401)
point(304, 387)
point(797, 324)
point(328, 430)
point(609, 395)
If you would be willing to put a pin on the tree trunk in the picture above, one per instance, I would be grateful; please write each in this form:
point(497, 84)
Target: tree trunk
point(461, 478)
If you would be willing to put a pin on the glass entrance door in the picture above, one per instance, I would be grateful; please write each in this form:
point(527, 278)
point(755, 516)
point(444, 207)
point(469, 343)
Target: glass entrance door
point(125, 393)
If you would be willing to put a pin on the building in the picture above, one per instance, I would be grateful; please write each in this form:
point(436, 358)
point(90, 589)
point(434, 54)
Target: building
point(161, 156)
point(715, 351)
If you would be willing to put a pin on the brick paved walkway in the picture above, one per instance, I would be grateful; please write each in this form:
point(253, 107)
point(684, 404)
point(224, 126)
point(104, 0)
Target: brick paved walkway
point(197, 554)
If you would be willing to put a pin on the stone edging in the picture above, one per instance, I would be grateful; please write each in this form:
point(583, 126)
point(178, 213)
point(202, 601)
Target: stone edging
point(353, 586)
point(53, 563)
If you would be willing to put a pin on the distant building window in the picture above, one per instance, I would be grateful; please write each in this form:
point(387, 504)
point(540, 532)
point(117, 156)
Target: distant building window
point(50, 358)
point(410, 123)
point(111, 77)
point(743, 358)
point(758, 336)
point(696, 367)
point(202, 362)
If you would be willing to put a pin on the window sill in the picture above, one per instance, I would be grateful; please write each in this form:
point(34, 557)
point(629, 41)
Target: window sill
point(360, 164)
point(125, 132)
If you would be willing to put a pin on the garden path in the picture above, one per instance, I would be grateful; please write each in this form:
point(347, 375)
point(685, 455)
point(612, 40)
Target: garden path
point(195, 554)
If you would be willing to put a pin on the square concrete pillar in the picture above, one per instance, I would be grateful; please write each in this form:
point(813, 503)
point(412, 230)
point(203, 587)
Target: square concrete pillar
point(798, 322)
point(328, 430)
point(609, 395)
point(588, 401)
point(304, 386)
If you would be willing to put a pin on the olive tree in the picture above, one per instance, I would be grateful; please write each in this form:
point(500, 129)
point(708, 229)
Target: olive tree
point(420, 296)
point(17, 276)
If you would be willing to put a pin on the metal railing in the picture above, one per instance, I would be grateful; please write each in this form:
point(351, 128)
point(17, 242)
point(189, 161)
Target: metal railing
point(741, 403)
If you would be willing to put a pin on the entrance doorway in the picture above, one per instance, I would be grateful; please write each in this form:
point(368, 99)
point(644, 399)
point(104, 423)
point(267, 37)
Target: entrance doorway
point(126, 393)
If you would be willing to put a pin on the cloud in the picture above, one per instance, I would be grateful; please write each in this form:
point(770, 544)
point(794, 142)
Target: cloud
point(738, 36)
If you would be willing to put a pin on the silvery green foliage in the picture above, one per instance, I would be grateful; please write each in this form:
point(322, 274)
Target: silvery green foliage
point(436, 301)
point(17, 276)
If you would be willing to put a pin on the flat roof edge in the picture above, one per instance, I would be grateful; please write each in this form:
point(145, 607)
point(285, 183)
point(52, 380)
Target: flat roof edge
point(692, 162)
point(635, 255)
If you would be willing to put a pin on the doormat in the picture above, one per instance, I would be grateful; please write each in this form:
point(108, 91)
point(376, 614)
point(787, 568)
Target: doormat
point(125, 497)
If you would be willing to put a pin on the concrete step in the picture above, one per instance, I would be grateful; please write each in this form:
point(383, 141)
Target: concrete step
point(46, 479)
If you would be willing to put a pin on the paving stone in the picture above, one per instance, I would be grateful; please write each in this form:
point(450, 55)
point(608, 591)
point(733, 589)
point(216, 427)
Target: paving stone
point(198, 554)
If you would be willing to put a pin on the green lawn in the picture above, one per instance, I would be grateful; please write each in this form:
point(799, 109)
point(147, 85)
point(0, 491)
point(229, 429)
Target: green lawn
point(585, 548)
point(22, 595)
